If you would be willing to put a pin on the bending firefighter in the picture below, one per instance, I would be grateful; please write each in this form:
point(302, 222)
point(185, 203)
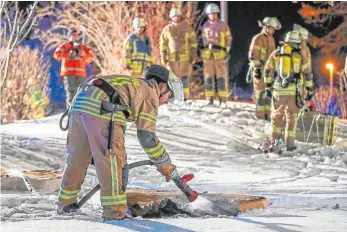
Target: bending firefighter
point(178, 48)
point(282, 73)
point(97, 127)
point(137, 49)
point(216, 38)
point(263, 44)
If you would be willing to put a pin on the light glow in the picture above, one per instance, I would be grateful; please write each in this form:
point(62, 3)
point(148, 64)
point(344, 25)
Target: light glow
point(329, 66)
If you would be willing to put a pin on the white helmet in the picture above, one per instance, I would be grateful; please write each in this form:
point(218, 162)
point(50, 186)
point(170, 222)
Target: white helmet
point(212, 8)
point(174, 12)
point(293, 37)
point(139, 22)
point(167, 76)
point(302, 31)
point(270, 22)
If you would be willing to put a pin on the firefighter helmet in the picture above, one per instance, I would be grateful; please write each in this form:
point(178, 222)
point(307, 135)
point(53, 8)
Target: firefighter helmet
point(164, 75)
point(212, 8)
point(302, 31)
point(270, 22)
point(174, 12)
point(292, 37)
point(139, 22)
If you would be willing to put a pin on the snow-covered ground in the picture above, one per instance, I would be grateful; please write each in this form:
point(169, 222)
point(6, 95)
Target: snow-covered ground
point(303, 187)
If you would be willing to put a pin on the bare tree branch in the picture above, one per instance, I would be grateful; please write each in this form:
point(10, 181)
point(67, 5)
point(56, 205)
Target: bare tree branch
point(17, 28)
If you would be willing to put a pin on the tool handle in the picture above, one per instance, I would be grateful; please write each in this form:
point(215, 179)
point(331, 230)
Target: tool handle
point(181, 183)
point(110, 133)
point(97, 187)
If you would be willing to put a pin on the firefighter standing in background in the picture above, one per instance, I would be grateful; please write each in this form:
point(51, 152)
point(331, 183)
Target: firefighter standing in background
point(137, 49)
point(89, 131)
point(178, 48)
point(216, 38)
point(74, 58)
point(305, 50)
point(282, 73)
point(263, 44)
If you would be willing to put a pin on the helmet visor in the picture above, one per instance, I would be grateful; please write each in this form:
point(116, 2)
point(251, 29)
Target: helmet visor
point(176, 86)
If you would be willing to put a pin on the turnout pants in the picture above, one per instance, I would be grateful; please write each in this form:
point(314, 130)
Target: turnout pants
point(262, 110)
point(284, 106)
point(71, 84)
point(218, 69)
point(137, 68)
point(88, 137)
point(183, 70)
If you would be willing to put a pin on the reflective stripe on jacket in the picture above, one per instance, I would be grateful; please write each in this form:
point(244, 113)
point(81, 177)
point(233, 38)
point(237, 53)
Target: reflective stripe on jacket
point(178, 42)
point(73, 66)
point(261, 47)
point(137, 52)
point(141, 96)
point(216, 34)
point(274, 83)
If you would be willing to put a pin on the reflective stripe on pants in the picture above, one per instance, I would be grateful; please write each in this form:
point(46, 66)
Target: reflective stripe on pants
point(88, 137)
point(218, 69)
point(284, 106)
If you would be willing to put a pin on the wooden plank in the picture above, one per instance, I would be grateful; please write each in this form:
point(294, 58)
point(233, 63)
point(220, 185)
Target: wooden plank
point(146, 197)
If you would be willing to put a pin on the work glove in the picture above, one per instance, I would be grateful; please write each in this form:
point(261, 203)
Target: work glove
point(257, 73)
point(128, 67)
point(309, 94)
point(268, 94)
point(164, 61)
point(168, 171)
point(308, 97)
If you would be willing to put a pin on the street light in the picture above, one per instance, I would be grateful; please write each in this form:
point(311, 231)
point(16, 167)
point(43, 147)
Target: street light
point(330, 66)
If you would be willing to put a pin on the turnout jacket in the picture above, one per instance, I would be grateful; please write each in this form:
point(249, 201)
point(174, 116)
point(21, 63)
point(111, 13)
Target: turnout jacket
point(142, 96)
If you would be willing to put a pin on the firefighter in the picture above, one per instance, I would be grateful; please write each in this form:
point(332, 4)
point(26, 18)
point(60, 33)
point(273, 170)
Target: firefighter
point(282, 73)
point(263, 44)
point(306, 52)
point(74, 57)
point(90, 129)
point(178, 48)
point(137, 49)
point(216, 38)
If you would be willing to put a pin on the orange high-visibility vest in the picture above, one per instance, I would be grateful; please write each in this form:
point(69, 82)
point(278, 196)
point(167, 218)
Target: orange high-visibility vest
point(77, 65)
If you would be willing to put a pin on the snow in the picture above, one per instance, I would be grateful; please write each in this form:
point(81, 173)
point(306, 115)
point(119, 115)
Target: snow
point(302, 187)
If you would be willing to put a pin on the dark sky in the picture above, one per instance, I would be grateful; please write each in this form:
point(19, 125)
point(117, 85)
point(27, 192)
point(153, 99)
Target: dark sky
point(243, 20)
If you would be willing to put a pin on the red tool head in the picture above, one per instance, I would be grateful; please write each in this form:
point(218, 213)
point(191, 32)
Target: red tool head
point(192, 194)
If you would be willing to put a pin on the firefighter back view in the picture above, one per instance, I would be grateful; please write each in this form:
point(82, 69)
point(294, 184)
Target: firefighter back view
point(216, 38)
point(282, 72)
point(137, 49)
point(178, 48)
point(263, 44)
point(307, 53)
point(97, 130)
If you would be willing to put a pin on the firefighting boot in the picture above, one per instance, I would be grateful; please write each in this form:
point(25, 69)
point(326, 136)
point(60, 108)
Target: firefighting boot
point(210, 102)
point(222, 102)
point(290, 147)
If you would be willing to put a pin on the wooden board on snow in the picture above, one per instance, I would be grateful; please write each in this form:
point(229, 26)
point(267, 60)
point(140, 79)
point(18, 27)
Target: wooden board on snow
point(41, 180)
point(145, 198)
